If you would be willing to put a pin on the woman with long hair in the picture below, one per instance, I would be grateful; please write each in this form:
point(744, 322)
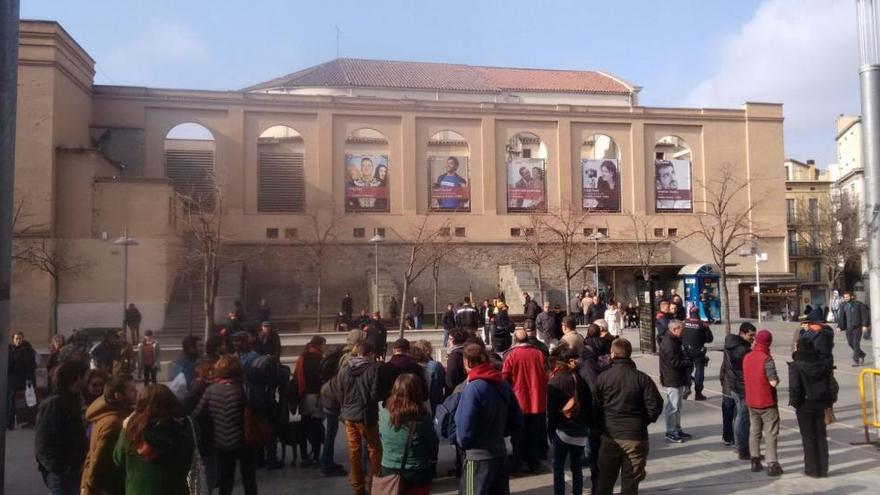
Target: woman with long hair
point(155, 447)
point(405, 415)
point(224, 402)
point(568, 421)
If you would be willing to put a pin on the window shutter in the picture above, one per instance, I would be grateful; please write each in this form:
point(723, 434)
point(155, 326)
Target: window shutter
point(192, 173)
point(280, 182)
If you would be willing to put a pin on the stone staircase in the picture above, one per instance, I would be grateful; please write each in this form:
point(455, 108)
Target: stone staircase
point(514, 280)
point(387, 288)
point(177, 312)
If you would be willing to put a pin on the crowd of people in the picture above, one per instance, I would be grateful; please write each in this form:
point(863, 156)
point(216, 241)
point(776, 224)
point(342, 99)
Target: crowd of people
point(568, 394)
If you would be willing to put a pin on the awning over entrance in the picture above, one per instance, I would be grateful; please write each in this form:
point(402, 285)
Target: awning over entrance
point(698, 269)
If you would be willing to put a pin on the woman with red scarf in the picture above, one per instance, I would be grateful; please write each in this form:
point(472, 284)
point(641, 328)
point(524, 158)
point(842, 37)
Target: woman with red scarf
point(307, 376)
point(155, 448)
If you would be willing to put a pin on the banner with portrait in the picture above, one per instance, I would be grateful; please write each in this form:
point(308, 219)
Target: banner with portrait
point(526, 188)
point(448, 182)
point(672, 186)
point(601, 184)
point(366, 183)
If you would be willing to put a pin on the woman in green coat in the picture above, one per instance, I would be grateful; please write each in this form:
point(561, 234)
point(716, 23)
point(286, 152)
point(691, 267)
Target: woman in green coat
point(406, 408)
point(155, 448)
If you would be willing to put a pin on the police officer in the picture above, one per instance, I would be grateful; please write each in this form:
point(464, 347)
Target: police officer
point(694, 339)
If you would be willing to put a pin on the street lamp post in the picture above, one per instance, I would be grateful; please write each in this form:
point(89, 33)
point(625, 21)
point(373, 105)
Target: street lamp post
point(125, 241)
point(596, 237)
point(759, 256)
point(376, 240)
point(869, 82)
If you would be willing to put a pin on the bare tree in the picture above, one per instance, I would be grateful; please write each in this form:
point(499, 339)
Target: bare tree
point(830, 236)
point(423, 251)
point(318, 244)
point(647, 244)
point(56, 259)
point(725, 224)
point(536, 249)
point(438, 253)
point(564, 229)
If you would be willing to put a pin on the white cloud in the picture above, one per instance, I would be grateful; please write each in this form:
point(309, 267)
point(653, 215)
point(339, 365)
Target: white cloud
point(802, 53)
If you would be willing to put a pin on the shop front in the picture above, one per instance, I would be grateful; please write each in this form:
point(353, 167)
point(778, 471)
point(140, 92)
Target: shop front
point(779, 300)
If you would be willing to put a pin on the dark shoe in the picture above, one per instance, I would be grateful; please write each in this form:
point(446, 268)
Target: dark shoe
point(856, 364)
point(273, 465)
point(728, 443)
point(306, 463)
point(774, 469)
point(756, 465)
point(744, 457)
point(672, 438)
point(700, 396)
point(336, 470)
point(684, 435)
point(812, 475)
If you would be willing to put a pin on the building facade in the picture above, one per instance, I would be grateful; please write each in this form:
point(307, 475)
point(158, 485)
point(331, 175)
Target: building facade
point(371, 147)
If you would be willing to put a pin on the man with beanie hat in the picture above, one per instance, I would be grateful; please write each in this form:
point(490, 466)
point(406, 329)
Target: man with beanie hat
point(735, 349)
point(761, 379)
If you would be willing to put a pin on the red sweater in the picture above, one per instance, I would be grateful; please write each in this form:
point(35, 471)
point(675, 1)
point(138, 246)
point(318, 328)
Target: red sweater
point(524, 370)
point(759, 393)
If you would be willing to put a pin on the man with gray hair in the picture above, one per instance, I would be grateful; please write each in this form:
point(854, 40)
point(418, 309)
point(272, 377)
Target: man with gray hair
point(674, 371)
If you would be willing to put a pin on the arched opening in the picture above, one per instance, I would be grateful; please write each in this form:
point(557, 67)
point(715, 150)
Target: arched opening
point(600, 173)
point(367, 176)
point(189, 163)
point(448, 169)
point(526, 173)
point(673, 191)
point(281, 180)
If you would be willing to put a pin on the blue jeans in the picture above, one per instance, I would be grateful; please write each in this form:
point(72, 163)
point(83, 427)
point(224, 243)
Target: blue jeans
point(62, 484)
point(417, 322)
point(332, 427)
point(445, 337)
point(592, 460)
point(672, 410)
point(561, 450)
point(741, 424)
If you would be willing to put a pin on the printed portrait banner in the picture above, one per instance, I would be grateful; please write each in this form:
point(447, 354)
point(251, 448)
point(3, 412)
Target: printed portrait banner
point(366, 182)
point(601, 184)
point(448, 182)
point(526, 190)
point(672, 182)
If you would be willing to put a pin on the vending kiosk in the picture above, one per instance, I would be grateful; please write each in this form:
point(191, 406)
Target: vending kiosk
point(701, 289)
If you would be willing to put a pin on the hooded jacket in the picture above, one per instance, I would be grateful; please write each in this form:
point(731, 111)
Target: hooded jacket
point(172, 448)
point(811, 381)
point(396, 366)
point(455, 372)
point(735, 349)
point(100, 474)
point(524, 368)
point(487, 412)
point(358, 388)
point(758, 370)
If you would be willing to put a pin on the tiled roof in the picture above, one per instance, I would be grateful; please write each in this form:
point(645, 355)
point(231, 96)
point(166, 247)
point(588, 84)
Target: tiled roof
point(349, 72)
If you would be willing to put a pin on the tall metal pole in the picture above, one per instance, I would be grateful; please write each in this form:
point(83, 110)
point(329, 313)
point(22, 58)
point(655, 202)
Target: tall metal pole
point(376, 281)
point(758, 284)
point(125, 282)
point(869, 79)
point(596, 278)
point(8, 95)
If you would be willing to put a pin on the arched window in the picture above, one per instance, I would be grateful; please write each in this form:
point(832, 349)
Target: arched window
point(526, 173)
point(367, 174)
point(281, 180)
point(673, 191)
point(448, 169)
point(600, 173)
point(189, 162)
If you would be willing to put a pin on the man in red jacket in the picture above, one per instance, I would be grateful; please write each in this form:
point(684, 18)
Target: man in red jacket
point(525, 370)
point(759, 375)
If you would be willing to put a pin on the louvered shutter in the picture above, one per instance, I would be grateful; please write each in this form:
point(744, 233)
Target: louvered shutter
point(280, 182)
point(192, 172)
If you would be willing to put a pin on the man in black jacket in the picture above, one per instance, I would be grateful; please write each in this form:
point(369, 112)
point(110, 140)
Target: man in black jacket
point(418, 313)
point(855, 319)
point(696, 335)
point(735, 349)
point(674, 371)
point(530, 307)
point(401, 362)
point(22, 369)
point(60, 437)
point(629, 401)
point(467, 317)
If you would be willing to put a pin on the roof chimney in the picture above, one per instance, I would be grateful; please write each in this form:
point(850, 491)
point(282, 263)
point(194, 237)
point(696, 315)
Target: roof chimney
point(811, 162)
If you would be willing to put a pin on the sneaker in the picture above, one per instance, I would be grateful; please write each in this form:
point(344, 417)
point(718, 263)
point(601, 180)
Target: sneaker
point(774, 469)
point(700, 396)
point(728, 443)
point(673, 438)
point(684, 435)
point(756, 465)
point(744, 457)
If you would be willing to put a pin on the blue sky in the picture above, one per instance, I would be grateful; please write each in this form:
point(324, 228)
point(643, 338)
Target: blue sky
point(801, 53)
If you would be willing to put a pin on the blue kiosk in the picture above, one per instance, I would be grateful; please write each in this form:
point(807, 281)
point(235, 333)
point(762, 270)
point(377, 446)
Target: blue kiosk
point(699, 278)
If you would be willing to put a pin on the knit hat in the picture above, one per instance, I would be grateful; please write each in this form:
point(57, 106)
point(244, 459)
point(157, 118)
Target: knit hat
point(764, 337)
point(355, 336)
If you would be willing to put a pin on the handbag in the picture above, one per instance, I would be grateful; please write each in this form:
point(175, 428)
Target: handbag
point(30, 396)
point(572, 407)
point(829, 415)
point(393, 483)
point(196, 479)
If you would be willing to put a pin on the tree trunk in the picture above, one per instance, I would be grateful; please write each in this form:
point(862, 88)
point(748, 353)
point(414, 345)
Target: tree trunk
point(567, 295)
point(318, 297)
point(403, 305)
point(541, 285)
point(436, 315)
point(211, 278)
point(55, 306)
point(725, 301)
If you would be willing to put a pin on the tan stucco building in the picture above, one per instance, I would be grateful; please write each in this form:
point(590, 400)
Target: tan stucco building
point(93, 161)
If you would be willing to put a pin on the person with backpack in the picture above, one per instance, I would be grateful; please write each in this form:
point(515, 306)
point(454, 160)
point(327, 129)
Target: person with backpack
point(360, 412)
point(569, 407)
point(435, 374)
point(487, 412)
point(224, 401)
point(812, 391)
point(331, 368)
point(307, 377)
point(409, 443)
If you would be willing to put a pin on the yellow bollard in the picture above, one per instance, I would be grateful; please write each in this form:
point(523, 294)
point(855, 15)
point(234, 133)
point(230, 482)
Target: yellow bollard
point(865, 376)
